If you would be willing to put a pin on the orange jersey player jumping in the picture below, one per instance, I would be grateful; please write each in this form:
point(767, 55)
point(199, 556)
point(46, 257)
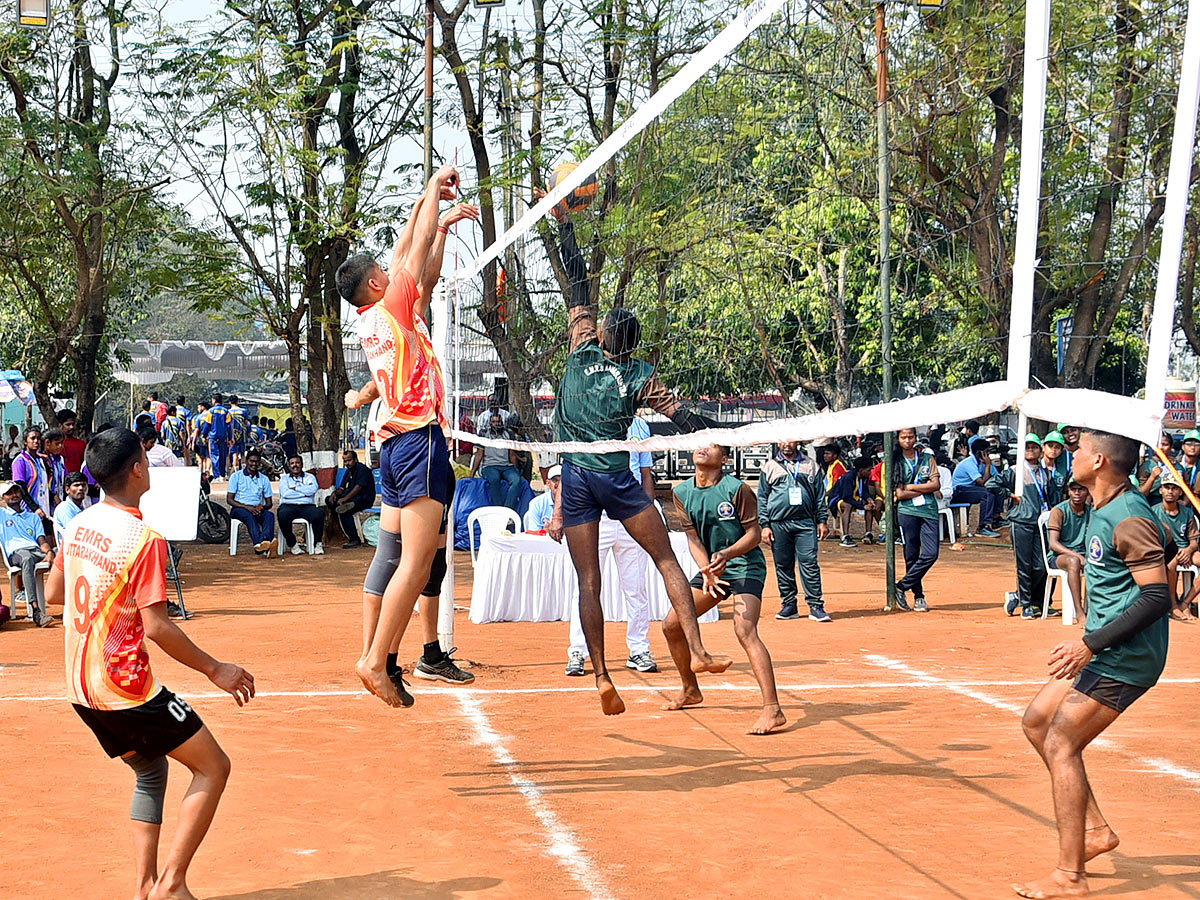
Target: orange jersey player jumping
point(111, 578)
point(414, 461)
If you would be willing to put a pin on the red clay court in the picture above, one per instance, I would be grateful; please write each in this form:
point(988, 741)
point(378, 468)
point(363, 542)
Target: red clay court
point(903, 772)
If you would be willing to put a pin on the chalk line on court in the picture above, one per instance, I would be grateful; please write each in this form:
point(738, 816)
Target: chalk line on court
point(562, 843)
point(1160, 766)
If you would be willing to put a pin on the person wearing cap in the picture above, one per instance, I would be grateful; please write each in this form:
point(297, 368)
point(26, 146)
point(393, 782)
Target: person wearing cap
point(1054, 454)
point(970, 481)
point(632, 562)
point(26, 546)
point(1149, 473)
point(1070, 435)
point(1066, 537)
point(541, 507)
point(1189, 464)
point(1184, 531)
point(1042, 489)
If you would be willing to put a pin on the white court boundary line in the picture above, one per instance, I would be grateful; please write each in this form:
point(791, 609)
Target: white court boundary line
point(562, 844)
point(1159, 766)
point(924, 680)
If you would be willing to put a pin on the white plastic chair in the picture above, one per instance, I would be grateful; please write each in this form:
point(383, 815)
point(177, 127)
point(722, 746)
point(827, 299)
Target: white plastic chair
point(1068, 599)
point(236, 524)
point(947, 513)
point(13, 572)
point(309, 538)
point(493, 520)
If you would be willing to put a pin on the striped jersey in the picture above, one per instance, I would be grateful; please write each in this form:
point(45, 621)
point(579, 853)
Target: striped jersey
point(400, 354)
point(113, 566)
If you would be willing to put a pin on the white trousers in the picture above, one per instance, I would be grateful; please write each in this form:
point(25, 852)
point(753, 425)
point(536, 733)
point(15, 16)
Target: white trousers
point(632, 563)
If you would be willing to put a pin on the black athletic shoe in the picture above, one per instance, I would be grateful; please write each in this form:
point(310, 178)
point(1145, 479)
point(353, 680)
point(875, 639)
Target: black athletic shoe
point(350, 545)
point(1031, 612)
point(901, 602)
point(788, 611)
point(174, 611)
point(1011, 604)
point(445, 671)
point(406, 699)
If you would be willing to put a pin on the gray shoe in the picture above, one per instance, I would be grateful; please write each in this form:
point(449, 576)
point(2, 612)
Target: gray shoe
point(818, 614)
point(987, 533)
point(575, 664)
point(920, 605)
point(643, 662)
point(848, 541)
point(445, 670)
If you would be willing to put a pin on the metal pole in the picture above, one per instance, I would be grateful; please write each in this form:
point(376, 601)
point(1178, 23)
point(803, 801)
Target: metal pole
point(428, 90)
point(885, 293)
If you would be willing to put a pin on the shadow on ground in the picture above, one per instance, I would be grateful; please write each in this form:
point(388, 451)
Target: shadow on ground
point(371, 887)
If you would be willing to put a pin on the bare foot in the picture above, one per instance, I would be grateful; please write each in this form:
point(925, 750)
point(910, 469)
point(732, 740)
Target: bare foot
point(610, 700)
point(1057, 884)
point(770, 719)
point(1099, 840)
point(377, 682)
point(714, 664)
point(161, 892)
point(687, 697)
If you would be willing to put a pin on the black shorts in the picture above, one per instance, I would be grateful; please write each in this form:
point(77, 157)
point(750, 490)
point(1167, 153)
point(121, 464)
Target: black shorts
point(153, 729)
point(1107, 691)
point(735, 586)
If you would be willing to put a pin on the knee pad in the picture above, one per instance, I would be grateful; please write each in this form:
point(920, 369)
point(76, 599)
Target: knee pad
point(383, 566)
point(151, 787)
point(437, 573)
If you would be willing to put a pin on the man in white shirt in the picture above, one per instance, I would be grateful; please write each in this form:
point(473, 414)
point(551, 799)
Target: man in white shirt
point(632, 562)
point(541, 508)
point(75, 502)
point(156, 454)
point(297, 493)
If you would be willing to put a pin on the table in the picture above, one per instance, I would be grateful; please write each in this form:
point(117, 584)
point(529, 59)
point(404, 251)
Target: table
point(530, 578)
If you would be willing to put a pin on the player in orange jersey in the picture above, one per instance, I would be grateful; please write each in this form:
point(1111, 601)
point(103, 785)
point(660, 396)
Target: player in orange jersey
point(414, 461)
point(111, 577)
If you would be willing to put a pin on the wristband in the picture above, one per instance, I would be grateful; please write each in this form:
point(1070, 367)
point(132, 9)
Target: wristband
point(443, 229)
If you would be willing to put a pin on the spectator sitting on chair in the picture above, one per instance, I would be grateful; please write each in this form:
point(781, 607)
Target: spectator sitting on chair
point(498, 466)
point(355, 493)
point(541, 508)
point(26, 545)
point(853, 491)
point(1179, 520)
point(1066, 538)
point(296, 492)
point(969, 481)
point(72, 505)
point(158, 455)
point(249, 497)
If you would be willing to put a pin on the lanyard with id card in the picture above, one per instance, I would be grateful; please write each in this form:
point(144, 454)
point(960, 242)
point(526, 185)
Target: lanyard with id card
point(795, 492)
point(912, 470)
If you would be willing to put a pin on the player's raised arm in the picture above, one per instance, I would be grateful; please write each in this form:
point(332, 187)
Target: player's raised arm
point(432, 272)
point(426, 221)
point(358, 399)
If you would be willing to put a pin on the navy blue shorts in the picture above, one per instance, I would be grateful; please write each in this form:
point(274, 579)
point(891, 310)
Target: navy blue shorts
point(587, 494)
point(416, 464)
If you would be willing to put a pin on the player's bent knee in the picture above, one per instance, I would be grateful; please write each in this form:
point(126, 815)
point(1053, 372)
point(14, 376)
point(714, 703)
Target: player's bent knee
point(437, 574)
point(383, 564)
point(150, 790)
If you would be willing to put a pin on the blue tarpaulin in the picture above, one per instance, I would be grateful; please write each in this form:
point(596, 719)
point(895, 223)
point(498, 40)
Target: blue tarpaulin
point(472, 493)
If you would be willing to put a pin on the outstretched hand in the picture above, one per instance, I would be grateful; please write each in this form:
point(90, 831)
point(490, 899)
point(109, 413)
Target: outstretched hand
point(234, 680)
point(458, 213)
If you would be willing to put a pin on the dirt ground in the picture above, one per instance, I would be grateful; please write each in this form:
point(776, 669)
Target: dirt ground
point(903, 772)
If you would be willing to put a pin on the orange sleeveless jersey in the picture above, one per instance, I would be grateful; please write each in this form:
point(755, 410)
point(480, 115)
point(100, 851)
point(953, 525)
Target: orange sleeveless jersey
point(400, 353)
point(113, 566)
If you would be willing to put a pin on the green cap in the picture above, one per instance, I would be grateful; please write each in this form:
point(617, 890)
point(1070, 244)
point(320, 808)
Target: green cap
point(1054, 437)
point(1192, 435)
point(1032, 438)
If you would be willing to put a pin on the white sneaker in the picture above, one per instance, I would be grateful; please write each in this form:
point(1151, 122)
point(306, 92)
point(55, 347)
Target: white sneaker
point(297, 550)
point(319, 549)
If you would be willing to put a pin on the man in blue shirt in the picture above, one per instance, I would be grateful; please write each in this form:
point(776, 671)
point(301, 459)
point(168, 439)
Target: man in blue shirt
point(356, 492)
point(970, 479)
point(297, 490)
point(25, 545)
point(541, 507)
point(215, 425)
point(240, 420)
point(76, 502)
point(249, 496)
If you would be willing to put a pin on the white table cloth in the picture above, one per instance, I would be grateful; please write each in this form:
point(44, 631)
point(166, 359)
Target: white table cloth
point(530, 578)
